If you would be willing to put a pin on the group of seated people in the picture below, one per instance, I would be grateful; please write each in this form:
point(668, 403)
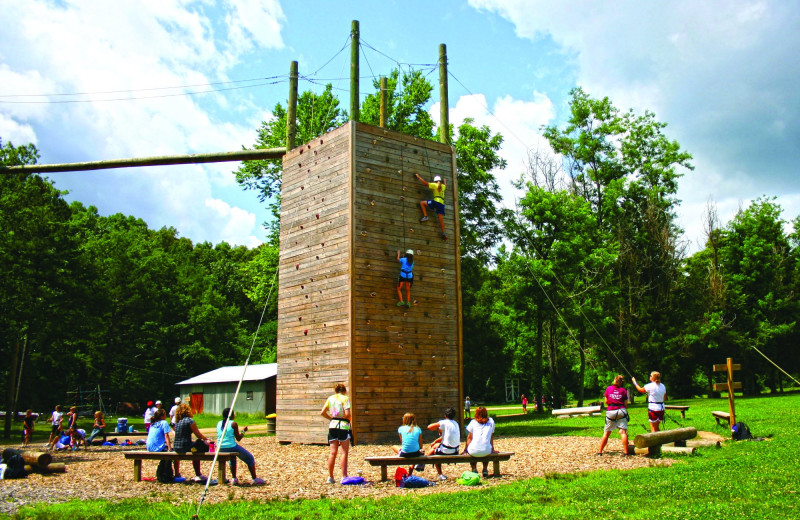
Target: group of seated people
point(479, 443)
point(159, 439)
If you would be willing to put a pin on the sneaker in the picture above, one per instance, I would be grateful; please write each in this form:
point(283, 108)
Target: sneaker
point(199, 478)
point(401, 304)
point(408, 304)
point(485, 473)
point(234, 482)
point(420, 467)
point(330, 480)
point(598, 454)
point(423, 219)
point(258, 482)
point(442, 477)
point(213, 482)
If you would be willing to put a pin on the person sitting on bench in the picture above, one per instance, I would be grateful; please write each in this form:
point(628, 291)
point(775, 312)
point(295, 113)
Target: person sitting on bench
point(480, 441)
point(450, 440)
point(410, 440)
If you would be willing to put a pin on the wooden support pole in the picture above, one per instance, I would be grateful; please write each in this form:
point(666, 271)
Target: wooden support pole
point(729, 364)
point(354, 44)
point(384, 96)
point(162, 160)
point(291, 110)
point(444, 104)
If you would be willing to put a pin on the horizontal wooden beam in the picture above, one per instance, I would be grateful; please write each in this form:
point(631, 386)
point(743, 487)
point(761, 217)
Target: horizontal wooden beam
point(723, 387)
point(162, 160)
point(724, 368)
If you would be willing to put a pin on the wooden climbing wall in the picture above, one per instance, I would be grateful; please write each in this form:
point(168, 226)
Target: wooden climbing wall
point(349, 202)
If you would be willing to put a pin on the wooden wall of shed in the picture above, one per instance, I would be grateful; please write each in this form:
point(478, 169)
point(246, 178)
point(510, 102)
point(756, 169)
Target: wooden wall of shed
point(337, 315)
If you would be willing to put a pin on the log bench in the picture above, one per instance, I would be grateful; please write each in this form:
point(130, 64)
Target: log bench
point(139, 456)
point(653, 441)
point(682, 409)
point(383, 462)
point(583, 411)
point(725, 416)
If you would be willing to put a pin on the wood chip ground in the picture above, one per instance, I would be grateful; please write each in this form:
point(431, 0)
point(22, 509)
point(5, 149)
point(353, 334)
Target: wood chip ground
point(297, 471)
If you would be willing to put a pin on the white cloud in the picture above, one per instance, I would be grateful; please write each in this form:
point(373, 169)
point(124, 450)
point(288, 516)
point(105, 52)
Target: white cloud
point(122, 50)
point(518, 121)
point(722, 74)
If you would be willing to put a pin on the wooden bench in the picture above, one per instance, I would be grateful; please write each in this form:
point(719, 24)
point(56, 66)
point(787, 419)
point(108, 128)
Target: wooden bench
point(653, 441)
point(383, 462)
point(139, 456)
point(726, 416)
point(682, 409)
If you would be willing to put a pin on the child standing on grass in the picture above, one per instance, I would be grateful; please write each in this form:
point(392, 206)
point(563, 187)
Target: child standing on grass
point(28, 427)
point(406, 277)
point(410, 440)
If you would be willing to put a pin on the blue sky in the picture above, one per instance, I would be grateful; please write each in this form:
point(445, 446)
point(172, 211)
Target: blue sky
point(88, 80)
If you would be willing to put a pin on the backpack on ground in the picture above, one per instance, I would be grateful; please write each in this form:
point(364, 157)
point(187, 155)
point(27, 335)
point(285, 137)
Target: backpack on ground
point(413, 481)
point(352, 481)
point(740, 432)
point(399, 475)
point(469, 478)
point(15, 465)
point(164, 473)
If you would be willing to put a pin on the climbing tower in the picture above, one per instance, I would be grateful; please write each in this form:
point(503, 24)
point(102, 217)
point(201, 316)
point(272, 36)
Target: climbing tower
point(349, 201)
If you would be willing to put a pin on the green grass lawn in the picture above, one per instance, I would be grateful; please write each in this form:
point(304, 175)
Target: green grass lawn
point(740, 480)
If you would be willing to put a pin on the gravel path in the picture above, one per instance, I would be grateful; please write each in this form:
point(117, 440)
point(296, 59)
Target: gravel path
point(103, 473)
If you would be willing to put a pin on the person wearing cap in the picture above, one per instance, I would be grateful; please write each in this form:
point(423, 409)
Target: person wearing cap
point(173, 411)
point(148, 415)
point(406, 277)
point(437, 202)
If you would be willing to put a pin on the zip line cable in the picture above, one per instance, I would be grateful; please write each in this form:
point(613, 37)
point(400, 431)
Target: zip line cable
point(146, 89)
point(776, 366)
point(247, 361)
point(179, 94)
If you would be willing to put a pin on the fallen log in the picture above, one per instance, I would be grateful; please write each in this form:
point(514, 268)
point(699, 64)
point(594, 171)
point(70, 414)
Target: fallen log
point(55, 467)
point(678, 450)
point(646, 440)
point(37, 458)
point(577, 411)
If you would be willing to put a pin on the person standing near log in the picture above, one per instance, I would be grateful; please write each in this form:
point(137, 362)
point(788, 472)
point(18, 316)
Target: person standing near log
point(616, 414)
point(28, 427)
point(337, 411)
point(656, 396)
point(57, 419)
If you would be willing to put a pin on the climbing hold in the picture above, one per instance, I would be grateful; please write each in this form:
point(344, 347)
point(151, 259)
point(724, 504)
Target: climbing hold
point(302, 187)
point(369, 266)
point(301, 227)
point(297, 266)
point(373, 294)
point(368, 170)
point(302, 286)
point(411, 230)
point(372, 203)
point(299, 318)
point(404, 188)
point(363, 233)
point(402, 197)
point(323, 244)
point(399, 172)
point(317, 216)
point(317, 257)
point(374, 141)
point(305, 332)
point(306, 376)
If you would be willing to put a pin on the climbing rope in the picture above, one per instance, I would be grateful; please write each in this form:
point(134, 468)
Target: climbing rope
point(247, 361)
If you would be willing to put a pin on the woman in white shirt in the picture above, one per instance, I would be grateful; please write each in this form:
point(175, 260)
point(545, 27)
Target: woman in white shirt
point(656, 395)
point(480, 441)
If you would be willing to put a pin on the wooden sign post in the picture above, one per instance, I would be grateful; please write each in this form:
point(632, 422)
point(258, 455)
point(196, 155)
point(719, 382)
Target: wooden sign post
point(730, 385)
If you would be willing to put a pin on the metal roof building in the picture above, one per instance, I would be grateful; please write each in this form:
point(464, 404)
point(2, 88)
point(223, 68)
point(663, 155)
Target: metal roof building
point(213, 391)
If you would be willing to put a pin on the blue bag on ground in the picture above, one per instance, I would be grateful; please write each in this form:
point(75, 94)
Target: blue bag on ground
point(413, 481)
point(352, 481)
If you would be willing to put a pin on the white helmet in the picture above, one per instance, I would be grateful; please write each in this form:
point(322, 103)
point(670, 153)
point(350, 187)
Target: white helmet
point(437, 179)
point(410, 252)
